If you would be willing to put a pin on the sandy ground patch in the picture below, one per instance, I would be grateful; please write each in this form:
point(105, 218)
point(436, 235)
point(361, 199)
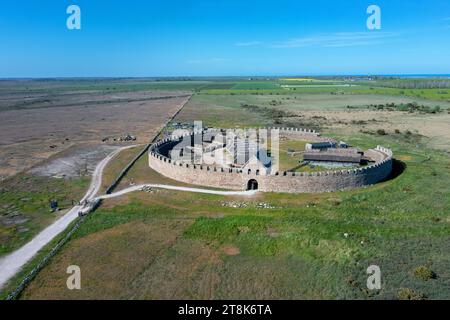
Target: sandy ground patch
point(78, 162)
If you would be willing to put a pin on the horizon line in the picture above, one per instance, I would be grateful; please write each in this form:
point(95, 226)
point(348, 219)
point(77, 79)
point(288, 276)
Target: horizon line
point(228, 76)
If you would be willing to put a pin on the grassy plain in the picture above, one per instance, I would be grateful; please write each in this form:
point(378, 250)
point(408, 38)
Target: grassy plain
point(308, 246)
point(168, 245)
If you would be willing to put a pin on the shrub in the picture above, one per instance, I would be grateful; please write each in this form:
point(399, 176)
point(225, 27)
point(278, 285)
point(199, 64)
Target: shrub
point(436, 109)
point(409, 294)
point(397, 131)
point(381, 132)
point(335, 201)
point(424, 273)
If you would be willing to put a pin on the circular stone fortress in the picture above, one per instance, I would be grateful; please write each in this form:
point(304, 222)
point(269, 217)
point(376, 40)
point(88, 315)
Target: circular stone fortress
point(175, 158)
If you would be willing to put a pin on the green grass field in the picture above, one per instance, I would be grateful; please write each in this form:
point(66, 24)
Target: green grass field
point(415, 88)
point(178, 245)
point(297, 250)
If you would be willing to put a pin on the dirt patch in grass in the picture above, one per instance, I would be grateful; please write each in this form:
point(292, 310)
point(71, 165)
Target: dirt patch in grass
point(75, 162)
point(231, 250)
point(404, 158)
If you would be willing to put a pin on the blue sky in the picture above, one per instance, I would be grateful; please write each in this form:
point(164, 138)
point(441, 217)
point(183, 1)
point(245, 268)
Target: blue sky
point(223, 38)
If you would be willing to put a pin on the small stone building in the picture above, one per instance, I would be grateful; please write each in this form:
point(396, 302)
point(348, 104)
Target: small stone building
point(333, 155)
point(320, 145)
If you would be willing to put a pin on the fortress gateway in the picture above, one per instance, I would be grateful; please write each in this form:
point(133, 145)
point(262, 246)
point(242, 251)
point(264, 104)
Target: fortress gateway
point(242, 167)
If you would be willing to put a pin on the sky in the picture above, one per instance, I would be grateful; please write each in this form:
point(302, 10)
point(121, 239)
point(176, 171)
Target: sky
point(137, 38)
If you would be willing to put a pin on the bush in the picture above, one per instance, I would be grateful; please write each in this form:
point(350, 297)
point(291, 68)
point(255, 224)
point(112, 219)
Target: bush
point(335, 201)
point(424, 273)
point(409, 294)
point(397, 131)
point(436, 109)
point(408, 107)
point(381, 132)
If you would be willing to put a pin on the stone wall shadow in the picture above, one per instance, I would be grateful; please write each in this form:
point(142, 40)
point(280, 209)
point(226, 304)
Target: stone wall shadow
point(398, 167)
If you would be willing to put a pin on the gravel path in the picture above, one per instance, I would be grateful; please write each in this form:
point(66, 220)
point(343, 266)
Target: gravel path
point(169, 187)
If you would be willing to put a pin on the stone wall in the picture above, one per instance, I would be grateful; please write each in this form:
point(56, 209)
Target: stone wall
point(236, 179)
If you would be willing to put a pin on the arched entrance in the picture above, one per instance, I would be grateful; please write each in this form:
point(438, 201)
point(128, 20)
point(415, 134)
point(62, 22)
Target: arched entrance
point(252, 184)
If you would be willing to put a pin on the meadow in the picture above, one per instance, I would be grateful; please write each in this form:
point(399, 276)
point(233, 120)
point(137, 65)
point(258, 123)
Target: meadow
point(176, 245)
point(169, 245)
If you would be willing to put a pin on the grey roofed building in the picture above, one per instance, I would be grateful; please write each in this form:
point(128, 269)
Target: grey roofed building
point(320, 145)
point(333, 155)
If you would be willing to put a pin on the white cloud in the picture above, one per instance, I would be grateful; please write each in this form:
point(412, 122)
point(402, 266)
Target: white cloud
point(340, 39)
point(247, 44)
point(203, 61)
